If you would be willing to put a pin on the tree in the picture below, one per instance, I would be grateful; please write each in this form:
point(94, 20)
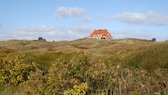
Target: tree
point(153, 39)
point(41, 39)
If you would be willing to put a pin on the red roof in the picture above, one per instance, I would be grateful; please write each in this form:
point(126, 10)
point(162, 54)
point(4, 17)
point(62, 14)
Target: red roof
point(101, 33)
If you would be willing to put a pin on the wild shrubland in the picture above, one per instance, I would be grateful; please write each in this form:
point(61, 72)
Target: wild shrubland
point(140, 72)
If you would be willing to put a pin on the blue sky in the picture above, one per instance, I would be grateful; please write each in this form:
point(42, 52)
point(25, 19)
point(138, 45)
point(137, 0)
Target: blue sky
point(57, 20)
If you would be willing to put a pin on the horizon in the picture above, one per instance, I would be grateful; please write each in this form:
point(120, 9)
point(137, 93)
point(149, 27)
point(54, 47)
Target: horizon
point(70, 20)
point(81, 39)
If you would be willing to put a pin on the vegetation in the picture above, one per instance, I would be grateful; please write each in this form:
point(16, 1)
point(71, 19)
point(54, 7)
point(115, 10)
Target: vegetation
point(41, 39)
point(16, 68)
point(153, 39)
point(125, 67)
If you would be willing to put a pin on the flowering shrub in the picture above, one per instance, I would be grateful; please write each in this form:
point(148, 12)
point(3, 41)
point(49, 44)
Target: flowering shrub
point(78, 89)
point(16, 68)
point(81, 75)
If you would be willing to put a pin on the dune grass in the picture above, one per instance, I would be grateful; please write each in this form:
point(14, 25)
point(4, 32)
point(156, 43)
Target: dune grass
point(98, 64)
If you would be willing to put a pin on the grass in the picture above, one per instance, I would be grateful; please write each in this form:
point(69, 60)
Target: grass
point(131, 56)
point(156, 55)
point(133, 51)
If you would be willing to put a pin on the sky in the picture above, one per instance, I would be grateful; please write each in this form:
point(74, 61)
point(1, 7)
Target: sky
point(57, 20)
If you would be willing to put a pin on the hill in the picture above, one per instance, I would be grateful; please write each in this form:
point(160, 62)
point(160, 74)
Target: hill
point(84, 62)
point(77, 45)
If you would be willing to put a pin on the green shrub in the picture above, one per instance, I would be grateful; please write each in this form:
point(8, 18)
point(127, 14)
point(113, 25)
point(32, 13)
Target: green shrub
point(78, 89)
point(16, 68)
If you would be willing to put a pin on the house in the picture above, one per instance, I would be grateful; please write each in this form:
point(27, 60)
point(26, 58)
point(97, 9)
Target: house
point(100, 34)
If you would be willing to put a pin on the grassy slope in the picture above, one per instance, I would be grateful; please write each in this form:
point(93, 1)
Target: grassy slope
point(133, 51)
point(128, 52)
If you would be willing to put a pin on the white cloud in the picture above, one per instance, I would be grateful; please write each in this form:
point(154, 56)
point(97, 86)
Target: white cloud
point(72, 11)
point(39, 29)
point(150, 18)
point(82, 29)
point(47, 32)
point(148, 35)
point(62, 33)
point(87, 19)
point(118, 34)
point(30, 32)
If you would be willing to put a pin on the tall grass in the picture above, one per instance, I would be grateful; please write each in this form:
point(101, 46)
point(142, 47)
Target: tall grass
point(120, 67)
point(150, 58)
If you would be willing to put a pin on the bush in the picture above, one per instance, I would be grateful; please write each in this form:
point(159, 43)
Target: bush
point(16, 68)
point(78, 89)
point(80, 75)
point(153, 39)
point(41, 39)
